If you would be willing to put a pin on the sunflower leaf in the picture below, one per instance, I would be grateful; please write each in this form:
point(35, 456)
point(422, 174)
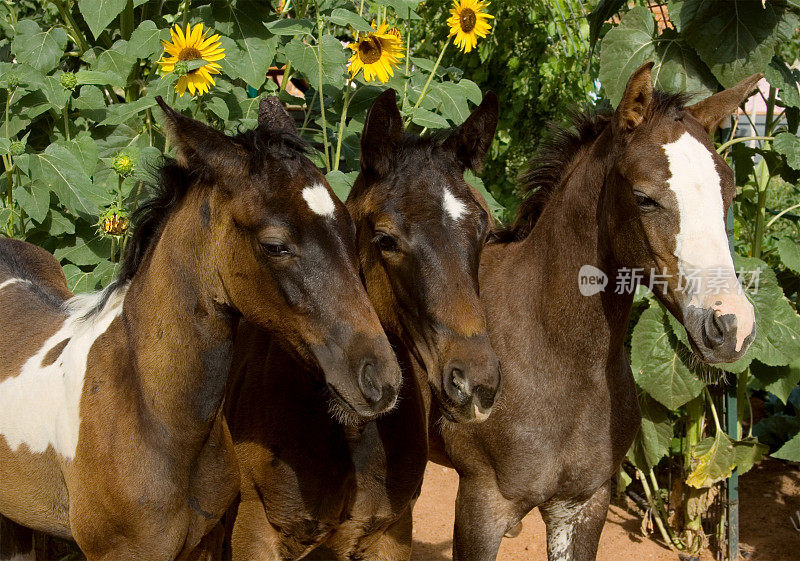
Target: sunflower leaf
point(343, 17)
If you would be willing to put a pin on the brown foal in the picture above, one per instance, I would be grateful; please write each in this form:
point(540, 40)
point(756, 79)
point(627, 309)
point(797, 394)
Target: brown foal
point(111, 429)
point(640, 188)
point(309, 480)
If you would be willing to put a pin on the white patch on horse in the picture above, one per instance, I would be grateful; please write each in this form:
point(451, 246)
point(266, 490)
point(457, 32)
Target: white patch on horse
point(11, 282)
point(701, 245)
point(562, 520)
point(40, 407)
point(453, 206)
point(319, 200)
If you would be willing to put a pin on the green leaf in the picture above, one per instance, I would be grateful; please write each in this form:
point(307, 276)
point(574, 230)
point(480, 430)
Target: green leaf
point(40, 49)
point(100, 78)
point(495, 208)
point(747, 453)
point(658, 361)
point(145, 40)
point(305, 59)
point(735, 38)
point(58, 170)
point(451, 99)
point(249, 49)
point(55, 93)
point(778, 380)
point(654, 437)
point(786, 79)
point(341, 182)
point(345, 18)
point(635, 41)
point(713, 460)
point(789, 251)
point(35, 201)
point(118, 113)
point(291, 26)
point(99, 13)
point(789, 145)
point(116, 61)
point(429, 119)
point(603, 12)
point(405, 9)
point(789, 451)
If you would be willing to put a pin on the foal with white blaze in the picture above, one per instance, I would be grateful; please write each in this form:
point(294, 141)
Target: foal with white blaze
point(111, 429)
point(642, 189)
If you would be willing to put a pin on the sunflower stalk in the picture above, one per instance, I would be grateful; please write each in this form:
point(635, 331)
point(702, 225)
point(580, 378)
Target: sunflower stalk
point(342, 120)
point(320, 28)
point(428, 82)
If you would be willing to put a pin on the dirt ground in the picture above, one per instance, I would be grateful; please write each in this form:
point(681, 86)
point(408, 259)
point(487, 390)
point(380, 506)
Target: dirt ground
point(770, 495)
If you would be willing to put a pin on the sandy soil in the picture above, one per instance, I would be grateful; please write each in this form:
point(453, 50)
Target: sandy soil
point(770, 495)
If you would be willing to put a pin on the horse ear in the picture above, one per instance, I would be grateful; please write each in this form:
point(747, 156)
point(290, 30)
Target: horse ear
point(383, 134)
point(472, 140)
point(198, 144)
point(272, 114)
point(636, 100)
point(713, 110)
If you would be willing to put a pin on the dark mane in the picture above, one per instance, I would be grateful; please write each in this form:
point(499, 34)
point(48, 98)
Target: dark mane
point(543, 175)
point(175, 181)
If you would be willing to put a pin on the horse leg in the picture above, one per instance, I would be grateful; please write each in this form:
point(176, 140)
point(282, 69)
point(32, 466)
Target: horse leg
point(573, 529)
point(482, 518)
point(392, 545)
point(253, 538)
point(16, 542)
point(209, 548)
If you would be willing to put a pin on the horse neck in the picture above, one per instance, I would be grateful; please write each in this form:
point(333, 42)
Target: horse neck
point(568, 235)
point(179, 338)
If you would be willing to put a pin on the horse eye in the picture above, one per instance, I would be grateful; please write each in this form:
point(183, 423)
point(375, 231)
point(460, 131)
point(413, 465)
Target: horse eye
point(276, 249)
point(644, 202)
point(385, 242)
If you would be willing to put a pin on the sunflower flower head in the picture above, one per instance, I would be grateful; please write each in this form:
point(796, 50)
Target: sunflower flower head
point(192, 44)
point(468, 21)
point(377, 54)
point(114, 221)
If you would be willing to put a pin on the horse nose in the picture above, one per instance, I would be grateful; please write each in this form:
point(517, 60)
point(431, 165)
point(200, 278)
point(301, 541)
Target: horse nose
point(456, 385)
point(379, 397)
point(718, 329)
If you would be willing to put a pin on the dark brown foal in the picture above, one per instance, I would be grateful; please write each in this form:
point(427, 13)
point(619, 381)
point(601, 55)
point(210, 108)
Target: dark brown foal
point(111, 429)
point(308, 480)
point(641, 188)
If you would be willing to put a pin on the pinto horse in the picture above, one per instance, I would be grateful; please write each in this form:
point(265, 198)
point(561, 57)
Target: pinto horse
point(111, 429)
point(640, 188)
point(308, 480)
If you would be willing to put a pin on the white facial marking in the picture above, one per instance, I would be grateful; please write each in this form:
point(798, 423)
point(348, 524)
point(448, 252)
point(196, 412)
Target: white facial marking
point(453, 206)
point(319, 200)
point(40, 406)
point(701, 245)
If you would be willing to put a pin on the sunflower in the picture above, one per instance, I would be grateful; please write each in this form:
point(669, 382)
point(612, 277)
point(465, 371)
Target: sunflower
point(195, 44)
point(377, 54)
point(468, 21)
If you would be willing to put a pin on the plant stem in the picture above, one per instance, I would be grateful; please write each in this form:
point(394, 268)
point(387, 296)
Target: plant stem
point(762, 182)
point(739, 139)
point(126, 21)
point(10, 193)
point(743, 402)
point(408, 58)
point(430, 78)
point(69, 21)
point(781, 213)
point(713, 409)
point(342, 120)
point(769, 123)
point(654, 511)
point(287, 71)
point(66, 118)
point(185, 14)
point(322, 96)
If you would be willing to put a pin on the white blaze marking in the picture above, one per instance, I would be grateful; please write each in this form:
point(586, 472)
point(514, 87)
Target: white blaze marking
point(10, 282)
point(701, 245)
point(319, 200)
point(454, 207)
point(40, 406)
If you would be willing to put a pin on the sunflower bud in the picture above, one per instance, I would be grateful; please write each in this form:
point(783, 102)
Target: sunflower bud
point(13, 81)
point(181, 68)
point(69, 81)
point(122, 164)
point(114, 221)
point(17, 148)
